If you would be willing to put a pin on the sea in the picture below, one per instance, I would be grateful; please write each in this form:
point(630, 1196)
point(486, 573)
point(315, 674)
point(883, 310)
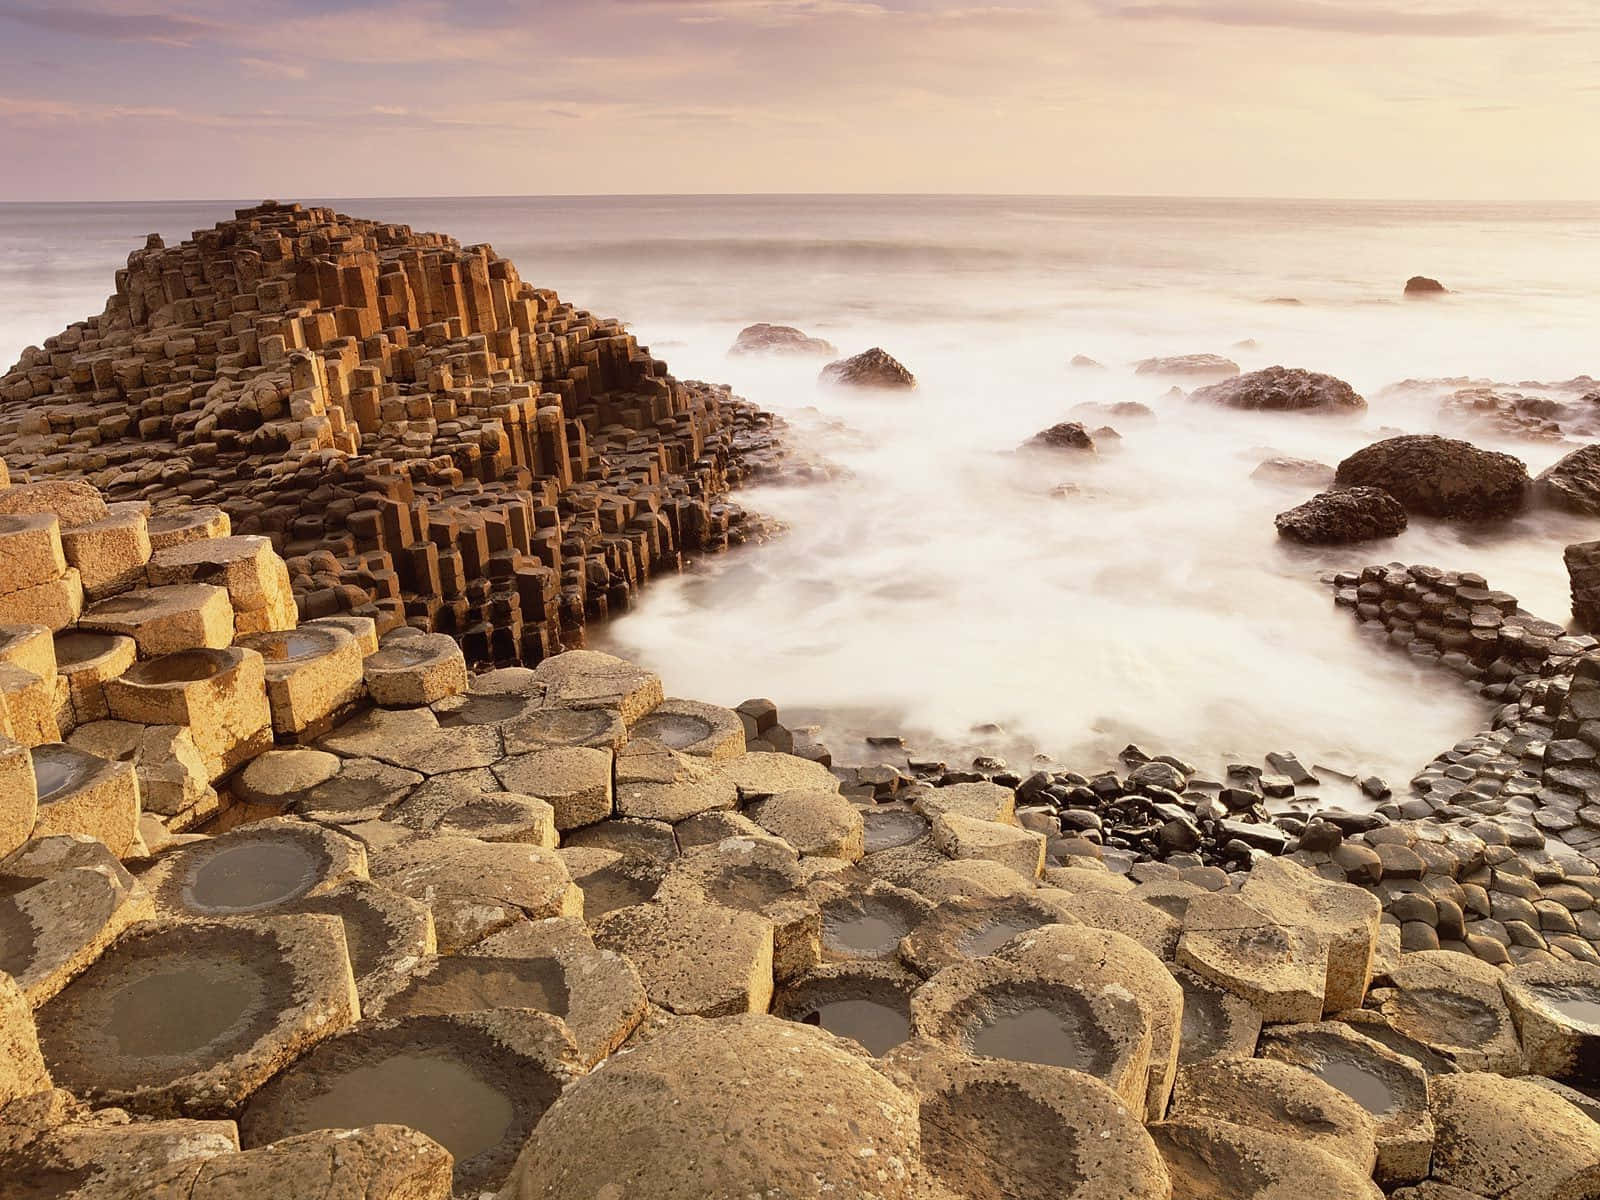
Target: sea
point(931, 581)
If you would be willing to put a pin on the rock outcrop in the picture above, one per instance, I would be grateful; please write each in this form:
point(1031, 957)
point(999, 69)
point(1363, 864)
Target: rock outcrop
point(1583, 569)
point(427, 439)
point(1203, 366)
point(874, 368)
point(1573, 483)
point(1421, 285)
point(1356, 514)
point(762, 338)
point(1439, 477)
point(1064, 435)
point(1284, 389)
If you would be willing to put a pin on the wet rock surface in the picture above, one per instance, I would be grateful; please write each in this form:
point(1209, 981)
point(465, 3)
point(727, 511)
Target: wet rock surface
point(874, 368)
point(1356, 514)
point(1283, 389)
point(1440, 477)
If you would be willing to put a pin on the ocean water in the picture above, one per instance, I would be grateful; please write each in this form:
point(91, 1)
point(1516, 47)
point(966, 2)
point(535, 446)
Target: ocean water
point(935, 585)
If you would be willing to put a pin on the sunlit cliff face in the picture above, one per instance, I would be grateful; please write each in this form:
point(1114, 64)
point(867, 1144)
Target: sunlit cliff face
point(1454, 99)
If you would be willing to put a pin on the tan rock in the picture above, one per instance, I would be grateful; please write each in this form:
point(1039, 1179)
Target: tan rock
point(22, 1070)
point(187, 525)
point(588, 679)
point(695, 959)
point(574, 780)
point(1281, 969)
point(977, 801)
point(72, 501)
point(967, 837)
point(56, 603)
point(30, 551)
point(379, 1162)
point(87, 661)
point(819, 823)
point(1452, 1003)
point(219, 695)
point(313, 675)
point(18, 796)
point(109, 554)
point(1556, 1007)
point(1510, 1138)
point(1214, 1160)
point(414, 671)
point(29, 704)
point(81, 793)
point(693, 728)
point(167, 620)
point(1346, 915)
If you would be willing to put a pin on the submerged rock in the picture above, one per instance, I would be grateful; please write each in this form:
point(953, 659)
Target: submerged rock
point(1064, 435)
point(1347, 515)
point(874, 368)
point(1284, 389)
point(1421, 285)
point(1212, 366)
point(1440, 477)
point(762, 338)
point(1573, 483)
point(1283, 469)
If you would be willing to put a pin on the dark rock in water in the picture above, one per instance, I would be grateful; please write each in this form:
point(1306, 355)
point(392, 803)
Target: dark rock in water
point(1123, 408)
point(1421, 285)
point(1573, 483)
point(1083, 360)
point(1284, 389)
point(1494, 413)
point(1210, 366)
point(1583, 568)
point(874, 368)
point(1246, 344)
point(1294, 470)
point(1353, 515)
point(762, 338)
point(1066, 435)
point(1283, 300)
point(1440, 477)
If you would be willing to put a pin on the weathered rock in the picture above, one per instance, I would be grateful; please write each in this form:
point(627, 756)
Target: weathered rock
point(1556, 1007)
point(1452, 1004)
point(1215, 1160)
point(1346, 916)
point(1283, 469)
point(695, 959)
point(758, 1105)
point(1206, 366)
point(874, 368)
point(1284, 389)
point(379, 1162)
point(586, 679)
point(762, 338)
point(1583, 569)
point(1573, 483)
point(1355, 514)
point(1064, 435)
point(1422, 285)
point(73, 502)
point(22, 1069)
point(1508, 1138)
point(820, 823)
point(1439, 477)
point(1282, 970)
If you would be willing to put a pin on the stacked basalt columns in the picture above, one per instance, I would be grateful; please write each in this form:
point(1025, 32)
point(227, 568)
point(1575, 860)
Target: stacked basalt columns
point(425, 438)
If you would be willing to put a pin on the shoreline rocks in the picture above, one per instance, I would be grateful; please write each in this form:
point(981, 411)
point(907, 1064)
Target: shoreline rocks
point(762, 338)
point(1423, 286)
point(1283, 389)
point(1204, 366)
point(874, 368)
point(1347, 515)
point(1440, 477)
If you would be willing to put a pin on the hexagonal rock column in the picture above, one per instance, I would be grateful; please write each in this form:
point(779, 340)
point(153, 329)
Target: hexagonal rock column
point(1281, 969)
point(109, 554)
point(695, 959)
point(1556, 1007)
point(798, 1112)
point(191, 1017)
point(187, 525)
point(87, 660)
point(412, 671)
point(19, 797)
point(589, 679)
point(260, 867)
point(994, 1009)
point(573, 780)
point(1025, 1131)
point(476, 1083)
point(963, 837)
point(690, 727)
point(65, 900)
point(1510, 1137)
point(475, 888)
point(1219, 1160)
point(820, 823)
point(314, 677)
point(82, 793)
point(1346, 915)
point(30, 694)
point(1452, 1004)
point(256, 579)
point(22, 1070)
point(36, 585)
point(658, 784)
point(220, 695)
point(380, 1162)
point(165, 620)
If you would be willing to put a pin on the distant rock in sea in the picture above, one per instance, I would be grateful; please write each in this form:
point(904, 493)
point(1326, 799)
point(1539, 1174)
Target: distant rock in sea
point(874, 368)
point(1208, 366)
point(1122, 408)
point(1283, 469)
point(1065, 435)
point(1083, 360)
point(1357, 514)
point(1421, 285)
point(1440, 477)
point(1283, 300)
point(762, 338)
point(1283, 389)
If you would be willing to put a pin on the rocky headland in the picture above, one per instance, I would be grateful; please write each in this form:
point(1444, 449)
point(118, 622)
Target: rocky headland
point(320, 876)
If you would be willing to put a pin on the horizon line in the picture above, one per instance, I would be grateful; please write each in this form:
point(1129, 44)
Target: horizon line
point(906, 195)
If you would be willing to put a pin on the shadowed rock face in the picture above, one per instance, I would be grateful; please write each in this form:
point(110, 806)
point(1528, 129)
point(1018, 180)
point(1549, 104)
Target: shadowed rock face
point(1573, 483)
point(873, 368)
point(1354, 515)
point(1439, 477)
point(393, 410)
point(1284, 389)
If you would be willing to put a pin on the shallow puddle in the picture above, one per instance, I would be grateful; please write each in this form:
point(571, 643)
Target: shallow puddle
point(445, 1100)
point(986, 939)
point(57, 769)
point(180, 1010)
point(466, 984)
point(1579, 1005)
point(1039, 1035)
point(886, 830)
point(862, 934)
point(876, 1025)
point(252, 875)
point(1366, 1087)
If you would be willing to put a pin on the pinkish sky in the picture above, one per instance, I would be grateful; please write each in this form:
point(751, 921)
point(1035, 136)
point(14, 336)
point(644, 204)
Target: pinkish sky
point(1435, 99)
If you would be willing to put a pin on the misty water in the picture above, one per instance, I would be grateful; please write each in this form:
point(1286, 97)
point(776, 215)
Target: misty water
point(935, 584)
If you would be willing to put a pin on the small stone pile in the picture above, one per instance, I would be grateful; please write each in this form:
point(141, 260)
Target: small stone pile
point(426, 439)
point(550, 933)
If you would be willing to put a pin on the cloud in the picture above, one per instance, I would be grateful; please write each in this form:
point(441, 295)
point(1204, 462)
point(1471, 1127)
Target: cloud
point(266, 68)
point(1327, 16)
point(171, 29)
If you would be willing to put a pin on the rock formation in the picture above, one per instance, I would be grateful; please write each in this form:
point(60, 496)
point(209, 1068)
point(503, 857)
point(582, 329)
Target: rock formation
point(1205, 366)
point(1064, 435)
point(762, 338)
point(425, 438)
point(1583, 569)
point(1284, 389)
point(874, 368)
point(1573, 483)
point(1421, 285)
point(1439, 477)
point(1356, 514)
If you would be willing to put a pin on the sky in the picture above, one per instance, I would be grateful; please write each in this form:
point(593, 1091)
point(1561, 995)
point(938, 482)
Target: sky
point(1461, 100)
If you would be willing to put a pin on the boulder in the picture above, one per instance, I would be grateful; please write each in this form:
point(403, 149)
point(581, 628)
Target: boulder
point(1573, 483)
point(1583, 569)
point(1421, 285)
point(874, 368)
point(1206, 366)
point(1284, 469)
point(1357, 514)
point(1439, 477)
point(762, 338)
point(743, 1106)
point(1284, 389)
point(1064, 435)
